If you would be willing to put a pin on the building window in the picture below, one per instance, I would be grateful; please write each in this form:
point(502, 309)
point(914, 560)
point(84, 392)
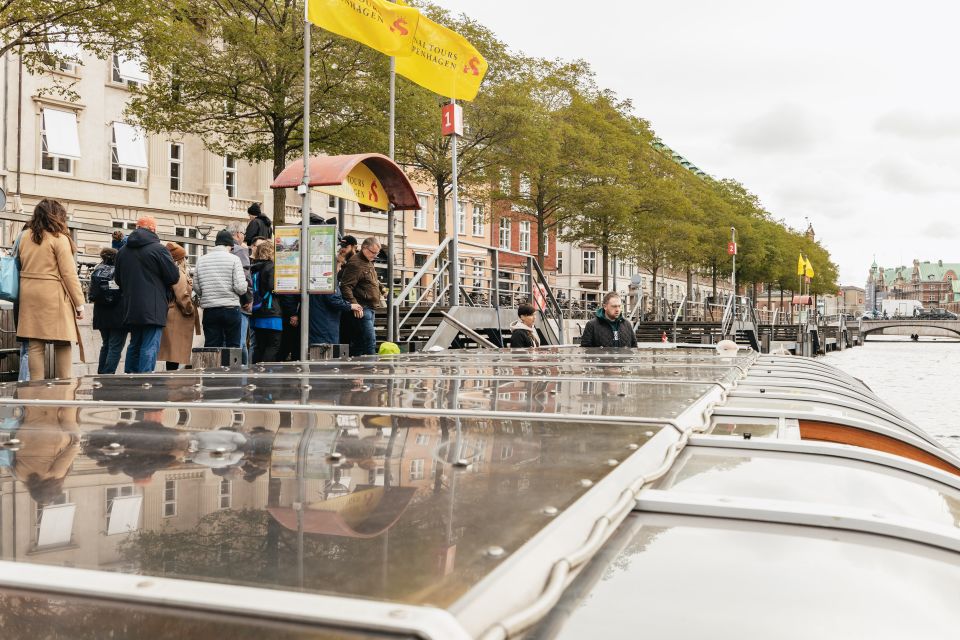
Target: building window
point(436, 213)
point(129, 71)
point(420, 215)
point(477, 273)
point(525, 236)
point(129, 225)
point(524, 185)
point(69, 55)
point(169, 498)
point(416, 469)
point(59, 531)
point(332, 203)
point(230, 175)
point(115, 492)
point(590, 262)
point(423, 439)
point(59, 140)
point(546, 245)
point(176, 166)
point(463, 270)
point(192, 249)
point(226, 493)
point(560, 262)
point(506, 452)
point(128, 153)
point(504, 233)
point(461, 218)
point(478, 220)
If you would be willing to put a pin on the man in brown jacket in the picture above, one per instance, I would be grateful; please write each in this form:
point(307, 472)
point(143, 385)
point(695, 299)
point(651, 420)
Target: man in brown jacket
point(359, 285)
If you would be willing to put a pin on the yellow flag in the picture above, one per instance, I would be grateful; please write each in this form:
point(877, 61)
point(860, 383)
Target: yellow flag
point(381, 25)
point(808, 269)
point(443, 62)
point(801, 267)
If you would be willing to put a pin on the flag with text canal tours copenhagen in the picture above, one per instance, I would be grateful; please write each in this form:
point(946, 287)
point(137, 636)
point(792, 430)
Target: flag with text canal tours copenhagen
point(443, 61)
point(381, 25)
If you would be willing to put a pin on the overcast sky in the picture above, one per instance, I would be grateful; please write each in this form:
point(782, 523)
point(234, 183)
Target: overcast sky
point(843, 112)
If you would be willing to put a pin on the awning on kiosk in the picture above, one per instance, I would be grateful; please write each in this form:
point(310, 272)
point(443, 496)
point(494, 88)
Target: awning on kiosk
point(353, 171)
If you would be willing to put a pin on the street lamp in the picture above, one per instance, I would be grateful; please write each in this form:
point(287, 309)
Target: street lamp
point(204, 230)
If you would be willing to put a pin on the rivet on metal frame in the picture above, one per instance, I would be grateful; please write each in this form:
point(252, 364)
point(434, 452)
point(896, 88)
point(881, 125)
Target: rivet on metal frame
point(495, 552)
point(251, 387)
point(147, 385)
point(305, 387)
point(97, 384)
point(633, 446)
point(586, 483)
point(649, 434)
point(463, 463)
point(550, 511)
point(612, 463)
point(335, 455)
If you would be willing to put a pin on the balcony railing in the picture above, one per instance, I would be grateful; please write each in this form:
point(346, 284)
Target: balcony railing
point(186, 199)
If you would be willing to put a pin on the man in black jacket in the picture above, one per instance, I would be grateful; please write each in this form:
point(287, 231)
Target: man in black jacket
point(608, 328)
point(259, 225)
point(523, 333)
point(144, 272)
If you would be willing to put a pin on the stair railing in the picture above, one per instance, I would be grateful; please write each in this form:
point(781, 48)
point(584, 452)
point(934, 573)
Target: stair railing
point(676, 315)
point(431, 267)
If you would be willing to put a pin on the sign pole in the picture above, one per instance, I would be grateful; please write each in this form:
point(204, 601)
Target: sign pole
point(733, 280)
point(305, 187)
point(454, 192)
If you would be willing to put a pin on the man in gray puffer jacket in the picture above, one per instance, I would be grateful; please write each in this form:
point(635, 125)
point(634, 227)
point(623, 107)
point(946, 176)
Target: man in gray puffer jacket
point(218, 282)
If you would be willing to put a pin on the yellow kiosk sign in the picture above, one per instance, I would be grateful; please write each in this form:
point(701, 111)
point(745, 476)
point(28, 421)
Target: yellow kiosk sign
point(362, 186)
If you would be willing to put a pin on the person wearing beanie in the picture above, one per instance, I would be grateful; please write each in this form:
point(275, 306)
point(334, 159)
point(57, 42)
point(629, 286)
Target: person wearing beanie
point(145, 272)
point(219, 282)
point(176, 343)
point(107, 312)
point(259, 225)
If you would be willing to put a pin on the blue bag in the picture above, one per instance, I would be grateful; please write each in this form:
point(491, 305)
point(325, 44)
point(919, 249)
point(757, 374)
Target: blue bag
point(10, 273)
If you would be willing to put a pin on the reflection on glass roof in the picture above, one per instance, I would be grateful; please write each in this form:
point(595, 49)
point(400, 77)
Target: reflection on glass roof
point(753, 576)
point(617, 398)
point(813, 479)
point(28, 616)
point(399, 508)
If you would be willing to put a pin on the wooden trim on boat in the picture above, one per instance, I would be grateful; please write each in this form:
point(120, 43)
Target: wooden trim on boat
point(842, 434)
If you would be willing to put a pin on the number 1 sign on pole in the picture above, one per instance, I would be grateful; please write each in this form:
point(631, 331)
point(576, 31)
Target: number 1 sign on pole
point(452, 113)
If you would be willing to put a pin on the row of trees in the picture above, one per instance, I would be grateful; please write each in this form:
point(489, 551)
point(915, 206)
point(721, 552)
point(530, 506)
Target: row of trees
point(565, 153)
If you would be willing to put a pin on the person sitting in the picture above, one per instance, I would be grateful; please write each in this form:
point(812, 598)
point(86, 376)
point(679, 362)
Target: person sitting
point(523, 334)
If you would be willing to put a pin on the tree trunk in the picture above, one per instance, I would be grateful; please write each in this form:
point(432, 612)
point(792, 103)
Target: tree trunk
point(713, 275)
point(653, 292)
point(605, 252)
point(781, 303)
point(689, 292)
point(541, 240)
point(279, 161)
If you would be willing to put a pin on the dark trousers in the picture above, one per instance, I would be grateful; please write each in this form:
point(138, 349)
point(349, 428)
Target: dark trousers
point(111, 350)
point(142, 350)
point(266, 345)
point(363, 337)
point(289, 342)
point(221, 327)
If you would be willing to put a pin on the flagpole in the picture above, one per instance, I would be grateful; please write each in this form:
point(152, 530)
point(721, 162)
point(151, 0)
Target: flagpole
point(305, 211)
point(391, 216)
point(454, 257)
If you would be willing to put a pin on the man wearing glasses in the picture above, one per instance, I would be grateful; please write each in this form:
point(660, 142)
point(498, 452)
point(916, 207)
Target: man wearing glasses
point(359, 285)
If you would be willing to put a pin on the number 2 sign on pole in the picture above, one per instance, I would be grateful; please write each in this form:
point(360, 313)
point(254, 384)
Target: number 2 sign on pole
point(452, 123)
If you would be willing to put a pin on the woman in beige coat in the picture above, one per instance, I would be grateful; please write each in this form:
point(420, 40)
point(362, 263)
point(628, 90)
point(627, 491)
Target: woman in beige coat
point(176, 342)
point(51, 300)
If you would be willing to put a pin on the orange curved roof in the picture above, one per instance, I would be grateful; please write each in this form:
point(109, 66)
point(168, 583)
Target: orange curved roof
point(327, 171)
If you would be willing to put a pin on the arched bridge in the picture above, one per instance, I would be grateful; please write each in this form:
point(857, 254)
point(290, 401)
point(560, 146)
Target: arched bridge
point(920, 327)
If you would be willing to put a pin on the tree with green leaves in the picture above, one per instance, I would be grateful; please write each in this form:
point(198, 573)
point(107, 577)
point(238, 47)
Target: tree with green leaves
point(231, 73)
point(489, 120)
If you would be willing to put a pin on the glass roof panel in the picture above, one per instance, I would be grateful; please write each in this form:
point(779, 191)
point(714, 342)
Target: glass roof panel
point(812, 479)
point(400, 508)
point(749, 578)
point(28, 616)
point(619, 398)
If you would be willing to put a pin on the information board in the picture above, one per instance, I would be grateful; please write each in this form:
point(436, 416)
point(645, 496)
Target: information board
point(323, 255)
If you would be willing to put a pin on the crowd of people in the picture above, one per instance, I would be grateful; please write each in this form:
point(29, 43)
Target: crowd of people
point(146, 299)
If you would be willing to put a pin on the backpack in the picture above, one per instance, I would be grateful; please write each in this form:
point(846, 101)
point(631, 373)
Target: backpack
point(103, 290)
point(266, 229)
point(260, 301)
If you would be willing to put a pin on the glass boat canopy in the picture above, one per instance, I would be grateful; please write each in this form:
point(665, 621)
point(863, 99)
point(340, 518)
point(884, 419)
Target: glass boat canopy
point(550, 493)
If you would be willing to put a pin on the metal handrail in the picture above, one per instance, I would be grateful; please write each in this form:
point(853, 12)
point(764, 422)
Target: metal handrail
point(677, 316)
point(427, 314)
point(550, 299)
point(418, 276)
point(426, 290)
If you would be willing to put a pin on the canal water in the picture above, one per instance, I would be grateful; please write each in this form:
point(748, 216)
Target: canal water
point(919, 379)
